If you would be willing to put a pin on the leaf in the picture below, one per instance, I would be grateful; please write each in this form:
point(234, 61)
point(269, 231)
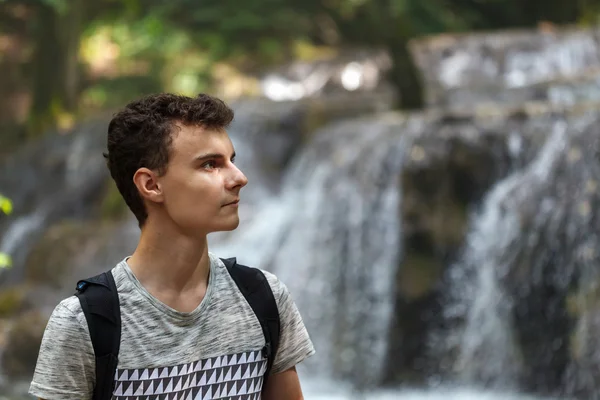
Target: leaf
point(5, 205)
point(399, 7)
point(5, 261)
point(61, 6)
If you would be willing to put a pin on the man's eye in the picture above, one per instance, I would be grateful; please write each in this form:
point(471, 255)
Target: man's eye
point(209, 165)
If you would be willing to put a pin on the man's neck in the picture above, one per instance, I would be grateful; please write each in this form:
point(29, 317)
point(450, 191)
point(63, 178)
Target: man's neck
point(167, 261)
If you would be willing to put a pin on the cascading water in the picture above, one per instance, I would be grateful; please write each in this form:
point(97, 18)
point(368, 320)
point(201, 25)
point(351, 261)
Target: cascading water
point(486, 344)
point(524, 302)
point(16, 238)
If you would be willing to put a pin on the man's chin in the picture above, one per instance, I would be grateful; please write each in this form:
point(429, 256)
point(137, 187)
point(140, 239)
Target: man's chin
point(230, 226)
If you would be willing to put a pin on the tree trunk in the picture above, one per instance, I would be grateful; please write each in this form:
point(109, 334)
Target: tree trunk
point(13, 79)
point(374, 25)
point(55, 61)
point(406, 77)
point(47, 60)
point(73, 24)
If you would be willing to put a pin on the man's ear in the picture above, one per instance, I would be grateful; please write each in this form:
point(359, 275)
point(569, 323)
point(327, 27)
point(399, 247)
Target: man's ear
point(148, 185)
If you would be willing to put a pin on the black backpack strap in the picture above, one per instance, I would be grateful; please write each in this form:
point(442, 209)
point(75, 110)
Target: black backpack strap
point(100, 303)
point(256, 289)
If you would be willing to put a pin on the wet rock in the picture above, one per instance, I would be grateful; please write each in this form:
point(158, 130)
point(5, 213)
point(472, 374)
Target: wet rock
point(73, 250)
point(13, 301)
point(581, 377)
point(444, 178)
point(22, 344)
point(53, 258)
point(57, 177)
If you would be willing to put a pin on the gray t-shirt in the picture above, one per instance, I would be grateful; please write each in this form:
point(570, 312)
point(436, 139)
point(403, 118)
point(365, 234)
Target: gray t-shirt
point(213, 352)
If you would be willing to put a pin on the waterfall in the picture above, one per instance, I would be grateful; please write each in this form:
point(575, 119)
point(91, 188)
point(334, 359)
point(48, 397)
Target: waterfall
point(486, 344)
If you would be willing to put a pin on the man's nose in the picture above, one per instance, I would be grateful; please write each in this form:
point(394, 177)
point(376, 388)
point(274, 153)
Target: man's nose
point(238, 178)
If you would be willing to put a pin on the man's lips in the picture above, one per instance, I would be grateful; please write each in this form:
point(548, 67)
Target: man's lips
point(232, 203)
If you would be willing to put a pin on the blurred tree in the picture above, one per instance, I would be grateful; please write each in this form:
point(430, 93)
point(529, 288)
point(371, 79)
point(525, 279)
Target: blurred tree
point(261, 31)
point(248, 34)
point(251, 33)
point(52, 30)
point(14, 76)
point(57, 33)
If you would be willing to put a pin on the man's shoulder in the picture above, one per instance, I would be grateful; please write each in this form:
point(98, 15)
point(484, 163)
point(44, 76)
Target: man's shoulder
point(273, 279)
point(278, 287)
point(69, 306)
point(67, 314)
point(67, 319)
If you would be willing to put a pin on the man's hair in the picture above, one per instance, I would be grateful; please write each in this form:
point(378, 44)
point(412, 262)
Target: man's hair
point(140, 135)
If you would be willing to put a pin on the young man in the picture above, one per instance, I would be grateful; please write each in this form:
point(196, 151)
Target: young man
point(183, 318)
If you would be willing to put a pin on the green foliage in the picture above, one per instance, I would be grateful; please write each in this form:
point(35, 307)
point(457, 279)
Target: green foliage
point(114, 92)
point(177, 44)
point(6, 207)
point(253, 33)
point(5, 261)
point(61, 6)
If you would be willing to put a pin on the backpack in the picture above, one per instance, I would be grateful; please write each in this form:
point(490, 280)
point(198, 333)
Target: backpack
point(100, 304)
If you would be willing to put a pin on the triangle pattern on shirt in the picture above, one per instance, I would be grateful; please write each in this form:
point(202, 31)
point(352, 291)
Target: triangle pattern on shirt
point(228, 377)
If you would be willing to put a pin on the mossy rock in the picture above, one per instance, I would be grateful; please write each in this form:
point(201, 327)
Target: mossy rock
point(319, 112)
point(22, 345)
point(418, 275)
point(583, 305)
point(13, 300)
point(53, 257)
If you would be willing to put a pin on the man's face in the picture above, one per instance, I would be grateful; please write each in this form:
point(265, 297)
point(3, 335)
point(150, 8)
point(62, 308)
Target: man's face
point(201, 184)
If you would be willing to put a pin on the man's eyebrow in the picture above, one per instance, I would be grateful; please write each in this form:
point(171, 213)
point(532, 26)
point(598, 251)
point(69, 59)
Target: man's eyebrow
point(208, 156)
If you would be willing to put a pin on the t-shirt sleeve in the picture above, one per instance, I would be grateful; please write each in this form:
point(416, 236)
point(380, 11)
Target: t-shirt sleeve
point(295, 344)
point(65, 366)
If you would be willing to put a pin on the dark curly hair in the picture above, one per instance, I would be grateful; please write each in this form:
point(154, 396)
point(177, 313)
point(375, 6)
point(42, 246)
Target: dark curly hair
point(140, 136)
